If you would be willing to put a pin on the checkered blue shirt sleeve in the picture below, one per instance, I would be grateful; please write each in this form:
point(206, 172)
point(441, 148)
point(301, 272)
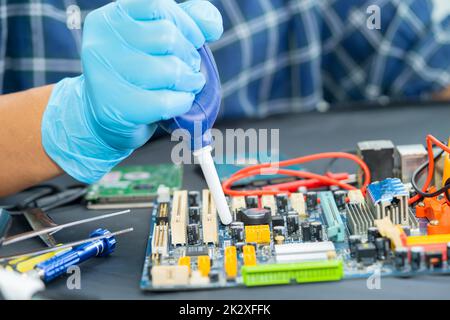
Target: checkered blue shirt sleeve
point(275, 56)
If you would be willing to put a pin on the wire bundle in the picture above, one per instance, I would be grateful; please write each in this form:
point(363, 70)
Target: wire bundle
point(274, 168)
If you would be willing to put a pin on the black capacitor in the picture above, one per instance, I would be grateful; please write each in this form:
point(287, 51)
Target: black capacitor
point(339, 198)
point(306, 231)
point(281, 201)
point(254, 216)
point(416, 258)
point(237, 231)
point(311, 200)
point(193, 233)
point(366, 253)
point(279, 231)
point(292, 224)
point(382, 245)
point(194, 214)
point(251, 201)
point(401, 258)
point(317, 231)
point(372, 234)
point(194, 198)
point(433, 259)
point(277, 221)
point(353, 242)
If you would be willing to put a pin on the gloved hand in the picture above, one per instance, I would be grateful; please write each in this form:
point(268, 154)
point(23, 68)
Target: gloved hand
point(140, 66)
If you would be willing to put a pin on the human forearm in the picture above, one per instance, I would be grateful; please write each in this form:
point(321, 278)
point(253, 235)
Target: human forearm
point(23, 161)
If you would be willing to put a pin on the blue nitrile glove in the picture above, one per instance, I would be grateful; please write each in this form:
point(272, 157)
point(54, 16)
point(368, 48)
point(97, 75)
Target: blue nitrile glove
point(140, 66)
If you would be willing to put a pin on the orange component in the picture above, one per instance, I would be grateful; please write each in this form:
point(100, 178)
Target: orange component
point(257, 233)
point(204, 265)
point(437, 211)
point(249, 255)
point(230, 262)
point(185, 261)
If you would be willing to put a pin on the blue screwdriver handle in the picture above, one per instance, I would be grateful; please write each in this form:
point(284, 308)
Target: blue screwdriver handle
point(58, 265)
point(201, 117)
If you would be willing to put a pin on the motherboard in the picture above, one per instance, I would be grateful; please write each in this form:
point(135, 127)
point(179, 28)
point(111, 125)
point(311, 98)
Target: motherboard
point(281, 239)
point(326, 234)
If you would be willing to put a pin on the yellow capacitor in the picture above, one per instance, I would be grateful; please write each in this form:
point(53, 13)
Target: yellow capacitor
point(230, 262)
point(249, 255)
point(446, 174)
point(204, 265)
point(185, 261)
point(258, 233)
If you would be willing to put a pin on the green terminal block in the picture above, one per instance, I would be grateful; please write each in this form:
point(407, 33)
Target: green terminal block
point(303, 272)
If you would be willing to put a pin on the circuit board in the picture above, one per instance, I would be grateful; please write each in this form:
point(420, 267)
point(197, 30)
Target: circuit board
point(327, 235)
point(133, 186)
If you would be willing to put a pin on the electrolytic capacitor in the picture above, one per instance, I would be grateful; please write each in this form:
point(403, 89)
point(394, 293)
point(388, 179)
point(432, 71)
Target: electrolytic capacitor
point(372, 234)
point(353, 242)
point(193, 233)
point(251, 201)
point(317, 231)
point(306, 231)
point(382, 245)
point(237, 231)
point(292, 224)
point(401, 258)
point(311, 200)
point(416, 258)
point(282, 203)
point(339, 198)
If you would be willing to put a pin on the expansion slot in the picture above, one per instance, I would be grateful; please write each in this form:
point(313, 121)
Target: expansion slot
point(160, 241)
point(306, 251)
point(335, 226)
point(178, 217)
point(209, 219)
point(268, 202)
point(162, 214)
point(272, 274)
point(298, 204)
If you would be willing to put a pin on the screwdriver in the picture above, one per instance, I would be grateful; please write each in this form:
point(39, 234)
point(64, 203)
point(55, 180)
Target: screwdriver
point(198, 122)
point(58, 264)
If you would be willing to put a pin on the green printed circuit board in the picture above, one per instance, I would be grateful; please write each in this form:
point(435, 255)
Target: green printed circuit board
point(133, 186)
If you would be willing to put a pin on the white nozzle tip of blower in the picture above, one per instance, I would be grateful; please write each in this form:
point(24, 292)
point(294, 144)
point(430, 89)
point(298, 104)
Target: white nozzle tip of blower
point(206, 162)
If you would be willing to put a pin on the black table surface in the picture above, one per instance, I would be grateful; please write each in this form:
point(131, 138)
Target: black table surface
point(117, 276)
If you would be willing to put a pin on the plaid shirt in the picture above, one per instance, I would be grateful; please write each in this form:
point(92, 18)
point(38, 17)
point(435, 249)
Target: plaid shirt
point(275, 56)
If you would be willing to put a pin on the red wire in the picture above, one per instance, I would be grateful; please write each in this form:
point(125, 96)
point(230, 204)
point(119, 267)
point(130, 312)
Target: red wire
point(430, 141)
point(273, 168)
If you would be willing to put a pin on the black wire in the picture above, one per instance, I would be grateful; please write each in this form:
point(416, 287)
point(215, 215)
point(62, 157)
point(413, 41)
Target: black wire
point(419, 170)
